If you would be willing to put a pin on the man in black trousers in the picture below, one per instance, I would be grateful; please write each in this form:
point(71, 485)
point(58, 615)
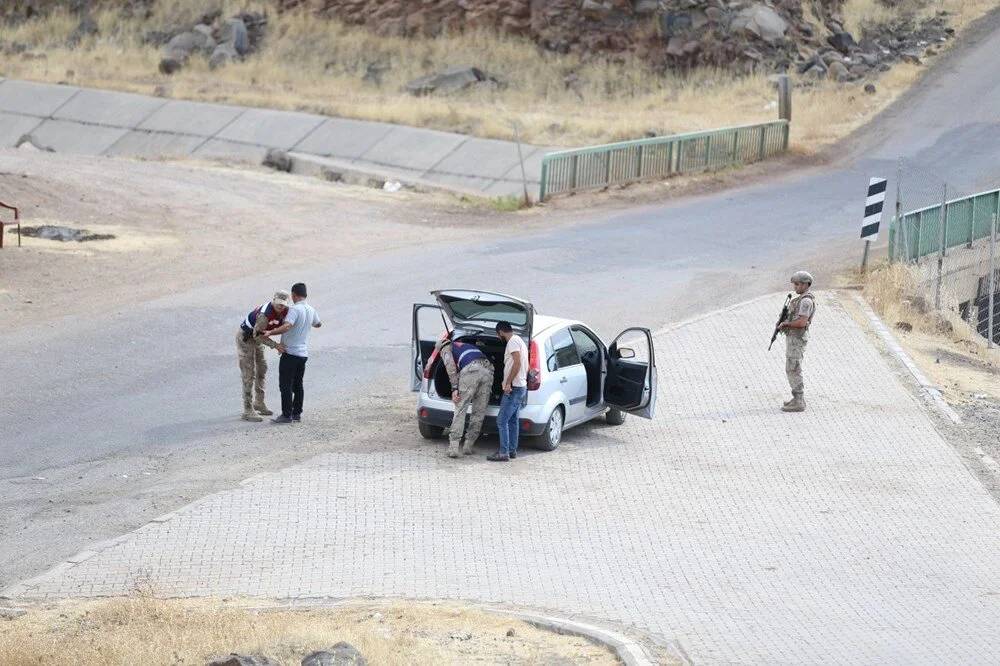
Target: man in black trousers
point(299, 320)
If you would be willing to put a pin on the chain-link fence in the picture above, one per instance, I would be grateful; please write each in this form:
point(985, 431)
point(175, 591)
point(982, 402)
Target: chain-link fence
point(950, 236)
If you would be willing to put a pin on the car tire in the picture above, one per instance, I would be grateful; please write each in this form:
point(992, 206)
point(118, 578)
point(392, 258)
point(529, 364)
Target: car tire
point(428, 431)
point(552, 435)
point(615, 417)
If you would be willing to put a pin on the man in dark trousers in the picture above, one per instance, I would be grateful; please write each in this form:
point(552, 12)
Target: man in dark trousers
point(299, 320)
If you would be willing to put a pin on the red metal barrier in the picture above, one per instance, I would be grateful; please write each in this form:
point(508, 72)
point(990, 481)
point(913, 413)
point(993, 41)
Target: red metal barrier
point(17, 221)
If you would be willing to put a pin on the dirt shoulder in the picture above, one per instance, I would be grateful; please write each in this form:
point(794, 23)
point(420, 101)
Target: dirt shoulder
point(145, 630)
point(181, 224)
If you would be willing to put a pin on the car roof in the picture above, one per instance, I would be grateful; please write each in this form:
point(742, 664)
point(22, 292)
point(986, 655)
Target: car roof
point(545, 324)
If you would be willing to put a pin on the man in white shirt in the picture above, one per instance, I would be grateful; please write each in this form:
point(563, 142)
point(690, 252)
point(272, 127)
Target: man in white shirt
point(515, 389)
point(299, 320)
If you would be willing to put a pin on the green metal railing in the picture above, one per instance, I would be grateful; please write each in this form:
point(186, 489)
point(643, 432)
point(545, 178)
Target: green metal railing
point(965, 220)
point(659, 157)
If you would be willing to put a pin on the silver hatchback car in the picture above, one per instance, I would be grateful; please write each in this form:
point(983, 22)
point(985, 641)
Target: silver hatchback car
point(573, 376)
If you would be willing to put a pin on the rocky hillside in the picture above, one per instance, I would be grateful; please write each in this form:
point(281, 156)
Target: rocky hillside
point(769, 35)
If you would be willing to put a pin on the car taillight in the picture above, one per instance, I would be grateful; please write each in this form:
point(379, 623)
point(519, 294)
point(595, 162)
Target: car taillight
point(430, 364)
point(534, 367)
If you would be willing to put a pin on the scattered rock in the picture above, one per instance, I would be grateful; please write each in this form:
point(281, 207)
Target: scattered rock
point(11, 613)
point(870, 88)
point(510, 633)
point(29, 142)
point(451, 80)
point(912, 56)
point(341, 654)
point(762, 21)
point(392, 186)
point(330, 175)
point(278, 160)
point(63, 234)
point(243, 660)
point(461, 636)
point(904, 326)
point(838, 71)
point(842, 41)
point(222, 55)
point(182, 46)
point(233, 32)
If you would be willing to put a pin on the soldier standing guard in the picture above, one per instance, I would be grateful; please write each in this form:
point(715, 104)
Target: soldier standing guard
point(796, 329)
point(253, 333)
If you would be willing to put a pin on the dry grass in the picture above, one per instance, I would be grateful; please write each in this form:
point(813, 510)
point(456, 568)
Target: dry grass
point(944, 345)
point(317, 65)
point(144, 630)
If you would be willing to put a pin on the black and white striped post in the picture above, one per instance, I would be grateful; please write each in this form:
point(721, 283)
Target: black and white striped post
point(873, 216)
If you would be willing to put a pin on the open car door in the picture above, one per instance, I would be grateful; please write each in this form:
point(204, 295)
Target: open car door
point(428, 324)
point(630, 383)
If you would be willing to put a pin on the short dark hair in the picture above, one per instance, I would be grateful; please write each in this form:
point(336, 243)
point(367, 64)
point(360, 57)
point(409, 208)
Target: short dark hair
point(504, 327)
point(299, 289)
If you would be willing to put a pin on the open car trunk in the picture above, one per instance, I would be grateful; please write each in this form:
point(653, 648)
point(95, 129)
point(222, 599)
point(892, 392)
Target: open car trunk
point(492, 347)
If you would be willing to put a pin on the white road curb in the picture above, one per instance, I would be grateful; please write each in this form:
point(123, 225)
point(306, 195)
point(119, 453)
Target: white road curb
point(928, 389)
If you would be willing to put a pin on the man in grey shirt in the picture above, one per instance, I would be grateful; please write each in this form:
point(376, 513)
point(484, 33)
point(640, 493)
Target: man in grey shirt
point(299, 320)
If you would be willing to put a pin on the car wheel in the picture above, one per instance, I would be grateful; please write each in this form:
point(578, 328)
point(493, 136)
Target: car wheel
point(552, 435)
point(428, 431)
point(615, 416)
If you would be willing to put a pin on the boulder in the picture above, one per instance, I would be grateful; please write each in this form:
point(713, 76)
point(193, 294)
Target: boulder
point(842, 41)
point(278, 160)
point(243, 660)
point(912, 56)
point(341, 654)
point(30, 143)
point(594, 9)
point(870, 88)
point(222, 55)
point(838, 71)
point(645, 7)
point(450, 80)
point(234, 33)
point(182, 46)
point(761, 21)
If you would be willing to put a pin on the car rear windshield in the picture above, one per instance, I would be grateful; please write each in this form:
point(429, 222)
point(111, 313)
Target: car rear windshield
point(487, 310)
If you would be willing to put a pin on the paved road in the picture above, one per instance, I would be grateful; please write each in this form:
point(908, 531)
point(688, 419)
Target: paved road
point(849, 534)
point(99, 401)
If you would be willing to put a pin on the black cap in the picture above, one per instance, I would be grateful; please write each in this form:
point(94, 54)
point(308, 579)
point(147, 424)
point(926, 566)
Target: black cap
point(504, 327)
point(299, 289)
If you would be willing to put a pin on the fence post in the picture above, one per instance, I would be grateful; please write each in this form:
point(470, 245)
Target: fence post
point(784, 98)
point(544, 178)
point(784, 145)
point(920, 225)
point(972, 223)
point(736, 146)
point(680, 155)
point(708, 151)
point(760, 148)
point(993, 279)
point(607, 168)
point(572, 174)
point(900, 222)
point(638, 163)
point(943, 224)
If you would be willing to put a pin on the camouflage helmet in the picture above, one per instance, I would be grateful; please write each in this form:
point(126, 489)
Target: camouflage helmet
point(803, 277)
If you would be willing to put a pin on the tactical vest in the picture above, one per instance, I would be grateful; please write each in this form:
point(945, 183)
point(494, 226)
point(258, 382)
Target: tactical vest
point(793, 313)
point(465, 354)
point(274, 320)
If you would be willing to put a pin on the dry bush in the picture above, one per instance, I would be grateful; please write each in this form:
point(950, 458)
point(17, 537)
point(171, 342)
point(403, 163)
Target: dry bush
point(144, 630)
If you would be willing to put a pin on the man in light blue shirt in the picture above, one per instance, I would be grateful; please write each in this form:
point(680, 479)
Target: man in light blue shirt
point(300, 319)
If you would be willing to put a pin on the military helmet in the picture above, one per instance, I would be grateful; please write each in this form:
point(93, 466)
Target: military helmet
point(802, 276)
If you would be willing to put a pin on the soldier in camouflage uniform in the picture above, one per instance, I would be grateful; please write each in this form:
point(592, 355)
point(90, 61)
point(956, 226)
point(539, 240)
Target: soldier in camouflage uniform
point(471, 375)
point(796, 329)
point(252, 335)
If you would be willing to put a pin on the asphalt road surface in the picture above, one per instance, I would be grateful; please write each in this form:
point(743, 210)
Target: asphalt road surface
point(107, 423)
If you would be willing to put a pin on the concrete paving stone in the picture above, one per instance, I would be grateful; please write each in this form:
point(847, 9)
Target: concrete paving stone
point(851, 533)
point(34, 99)
point(105, 107)
point(532, 165)
point(504, 188)
point(13, 126)
point(155, 144)
point(197, 118)
point(241, 152)
point(71, 137)
point(486, 158)
point(471, 183)
point(343, 138)
point(412, 148)
point(273, 129)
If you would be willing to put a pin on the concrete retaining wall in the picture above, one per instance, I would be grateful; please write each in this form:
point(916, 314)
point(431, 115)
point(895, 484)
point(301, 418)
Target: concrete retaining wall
point(100, 122)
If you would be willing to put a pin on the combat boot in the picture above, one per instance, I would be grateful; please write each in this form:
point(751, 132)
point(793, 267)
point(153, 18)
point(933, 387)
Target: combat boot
point(453, 450)
point(261, 408)
point(248, 415)
point(797, 404)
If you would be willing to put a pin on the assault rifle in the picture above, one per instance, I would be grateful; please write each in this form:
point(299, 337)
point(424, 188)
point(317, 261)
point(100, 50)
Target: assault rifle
point(782, 317)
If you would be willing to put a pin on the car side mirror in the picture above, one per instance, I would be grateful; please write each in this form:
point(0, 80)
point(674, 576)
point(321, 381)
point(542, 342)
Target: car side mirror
point(625, 352)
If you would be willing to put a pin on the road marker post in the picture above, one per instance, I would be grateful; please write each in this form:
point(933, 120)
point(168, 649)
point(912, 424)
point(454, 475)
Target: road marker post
point(874, 202)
